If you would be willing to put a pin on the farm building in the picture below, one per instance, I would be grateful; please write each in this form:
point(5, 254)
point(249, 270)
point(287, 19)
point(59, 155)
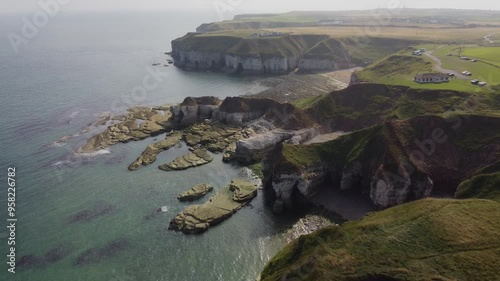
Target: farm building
point(431, 78)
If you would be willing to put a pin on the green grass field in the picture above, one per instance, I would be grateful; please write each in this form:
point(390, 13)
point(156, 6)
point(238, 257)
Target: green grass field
point(486, 54)
point(483, 70)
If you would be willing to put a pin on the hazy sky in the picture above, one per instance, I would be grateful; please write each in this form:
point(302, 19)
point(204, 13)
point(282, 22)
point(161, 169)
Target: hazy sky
point(245, 6)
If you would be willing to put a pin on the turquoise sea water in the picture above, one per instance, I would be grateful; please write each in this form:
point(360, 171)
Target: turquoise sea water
point(79, 66)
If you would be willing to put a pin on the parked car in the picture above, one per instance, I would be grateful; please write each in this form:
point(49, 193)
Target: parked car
point(451, 74)
point(482, 84)
point(473, 60)
point(474, 82)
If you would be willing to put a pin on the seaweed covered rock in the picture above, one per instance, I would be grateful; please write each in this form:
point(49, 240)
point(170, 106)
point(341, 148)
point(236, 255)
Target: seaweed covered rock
point(213, 137)
point(243, 191)
point(198, 218)
point(196, 192)
point(193, 159)
point(151, 152)
point(140, 123)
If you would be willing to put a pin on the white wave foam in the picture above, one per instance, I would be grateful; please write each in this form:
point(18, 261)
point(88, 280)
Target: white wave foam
point(59, 163)
point(74, 114)
point(97, 153)
point(57, 144)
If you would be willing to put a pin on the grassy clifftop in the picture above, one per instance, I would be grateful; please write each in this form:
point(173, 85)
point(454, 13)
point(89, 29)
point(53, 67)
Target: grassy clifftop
point(441, 18)
point(432, 239)
point(363, 105)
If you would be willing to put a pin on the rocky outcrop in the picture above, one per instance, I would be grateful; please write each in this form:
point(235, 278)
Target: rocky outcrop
point(213, 136)
point(195, 193)
point(193, 110)
point(198, 218)
point(239, 111)
point(193, 159)
point(149, 155)
point(286, 185)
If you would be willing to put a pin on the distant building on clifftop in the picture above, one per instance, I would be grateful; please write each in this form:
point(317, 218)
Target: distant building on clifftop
point(431, 78)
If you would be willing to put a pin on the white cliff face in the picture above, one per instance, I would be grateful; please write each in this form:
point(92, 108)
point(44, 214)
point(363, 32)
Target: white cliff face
point(237, 118)
point(306, 182)
point(387, 190)
point(256, 64)
point(254, 148)
point(198, 59)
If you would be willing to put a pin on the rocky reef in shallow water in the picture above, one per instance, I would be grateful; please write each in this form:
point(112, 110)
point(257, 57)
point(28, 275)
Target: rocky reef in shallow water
point(193, 159)
point(195, 193)
point(199, 218)
point(140, 123)
point(151, 152)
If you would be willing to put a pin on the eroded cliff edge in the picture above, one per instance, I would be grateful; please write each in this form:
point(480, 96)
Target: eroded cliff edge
point(392, 163)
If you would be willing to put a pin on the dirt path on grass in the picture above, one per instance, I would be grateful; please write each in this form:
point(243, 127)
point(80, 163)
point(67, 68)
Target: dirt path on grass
point(325, 137)
point(439, 68)
point(487, 38)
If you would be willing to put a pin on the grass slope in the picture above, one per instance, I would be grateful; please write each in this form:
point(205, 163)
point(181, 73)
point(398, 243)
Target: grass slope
point(432, 239)
point(484, 184)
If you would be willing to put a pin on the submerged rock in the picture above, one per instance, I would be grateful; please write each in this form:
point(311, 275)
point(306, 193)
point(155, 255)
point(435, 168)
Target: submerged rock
point(57, 254)
point(98, 210)
point(96, 254)
point(198, 218)
point(195, 192)
point(29, 261)
point(196, 158)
